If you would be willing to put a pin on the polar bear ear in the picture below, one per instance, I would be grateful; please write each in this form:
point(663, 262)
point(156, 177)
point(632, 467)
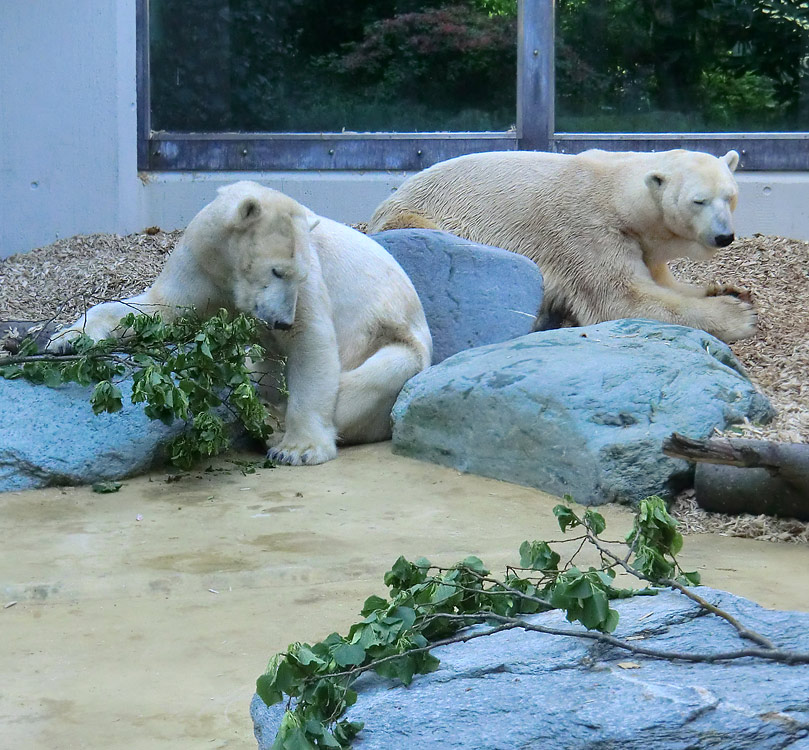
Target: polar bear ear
point(731, 158)
point(654, 181)
point(247, 212)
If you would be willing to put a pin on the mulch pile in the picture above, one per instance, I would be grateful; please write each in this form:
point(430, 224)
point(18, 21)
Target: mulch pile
point(59, 281)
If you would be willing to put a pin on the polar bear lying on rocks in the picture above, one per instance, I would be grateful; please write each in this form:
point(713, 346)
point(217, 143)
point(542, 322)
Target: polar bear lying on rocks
point(336, 304)
point(601, 226)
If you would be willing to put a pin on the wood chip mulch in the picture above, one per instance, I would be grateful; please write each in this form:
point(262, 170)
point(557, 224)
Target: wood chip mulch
point(59, 281)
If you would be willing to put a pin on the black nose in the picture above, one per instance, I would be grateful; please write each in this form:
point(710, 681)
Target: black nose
point(723, 240)
point(279, 326)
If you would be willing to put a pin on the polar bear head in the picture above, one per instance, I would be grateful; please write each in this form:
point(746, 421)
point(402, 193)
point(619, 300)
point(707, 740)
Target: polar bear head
point(696, 195)
point(264, 250)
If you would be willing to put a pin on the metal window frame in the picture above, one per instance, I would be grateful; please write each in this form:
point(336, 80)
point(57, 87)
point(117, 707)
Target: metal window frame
point(170, 151)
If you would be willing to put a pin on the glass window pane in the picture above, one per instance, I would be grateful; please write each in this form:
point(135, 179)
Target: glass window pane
point(321, 66)
point(682, 65)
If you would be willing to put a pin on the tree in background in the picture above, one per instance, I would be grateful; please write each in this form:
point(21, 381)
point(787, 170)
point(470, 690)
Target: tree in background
point(681, 65)
point(302, 65)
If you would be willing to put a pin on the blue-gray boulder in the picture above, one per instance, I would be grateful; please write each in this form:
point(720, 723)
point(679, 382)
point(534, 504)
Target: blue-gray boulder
point(579, 411)
point(472, 294)
point(50, 436)
point(518, 689)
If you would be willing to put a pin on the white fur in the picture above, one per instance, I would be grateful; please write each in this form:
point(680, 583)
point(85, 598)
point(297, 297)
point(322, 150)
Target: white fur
point(338, 305)
point(602, 227)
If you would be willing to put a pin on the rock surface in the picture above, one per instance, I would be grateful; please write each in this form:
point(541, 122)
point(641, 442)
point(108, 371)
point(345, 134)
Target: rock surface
point(50, 436)
point(472, 294)
point(579, 411)
point(531, 690)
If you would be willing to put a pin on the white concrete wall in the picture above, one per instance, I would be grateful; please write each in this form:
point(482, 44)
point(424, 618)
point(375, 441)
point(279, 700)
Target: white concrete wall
point(773, 203)
point(68, 130)
point(67, 120)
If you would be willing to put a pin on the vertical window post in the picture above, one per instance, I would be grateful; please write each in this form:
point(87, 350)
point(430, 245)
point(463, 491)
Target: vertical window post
point(535, 75)
point(142, 72)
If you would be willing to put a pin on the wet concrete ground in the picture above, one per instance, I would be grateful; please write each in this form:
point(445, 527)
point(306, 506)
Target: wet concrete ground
point(143, 618)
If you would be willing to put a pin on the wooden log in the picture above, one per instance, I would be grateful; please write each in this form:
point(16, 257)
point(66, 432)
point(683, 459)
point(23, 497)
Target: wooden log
point(735, 475)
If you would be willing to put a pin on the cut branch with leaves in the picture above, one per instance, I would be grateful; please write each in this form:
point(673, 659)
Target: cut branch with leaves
point(429, 606)
point(187, 369)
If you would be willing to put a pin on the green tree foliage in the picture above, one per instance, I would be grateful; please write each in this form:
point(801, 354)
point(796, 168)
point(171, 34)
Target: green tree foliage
point(305, 65)
point(189, 369)
point(292, 65)
point(682, 65)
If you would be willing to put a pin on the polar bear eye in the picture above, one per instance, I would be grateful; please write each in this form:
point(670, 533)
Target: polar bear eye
point(700, 203)
point(277, 273)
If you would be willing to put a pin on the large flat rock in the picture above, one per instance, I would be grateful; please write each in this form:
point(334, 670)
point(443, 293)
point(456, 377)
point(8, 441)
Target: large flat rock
point(472, 294)
point(519, 689)
point(579, 411)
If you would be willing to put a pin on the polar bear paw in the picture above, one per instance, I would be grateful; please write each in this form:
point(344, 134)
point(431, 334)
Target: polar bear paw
point(720, 290)
point(61, 342)
point(302, 452)
point(733, 318)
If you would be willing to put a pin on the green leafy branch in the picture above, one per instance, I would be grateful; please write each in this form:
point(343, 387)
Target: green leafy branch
point(430, 606)
point(186, 369)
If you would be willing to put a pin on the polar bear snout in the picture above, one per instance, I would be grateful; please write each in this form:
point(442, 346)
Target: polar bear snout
point(716, 220)
point(274, 304)
point(279, 317)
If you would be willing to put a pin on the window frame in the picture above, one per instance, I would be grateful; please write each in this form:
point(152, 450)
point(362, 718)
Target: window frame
point(174, 151)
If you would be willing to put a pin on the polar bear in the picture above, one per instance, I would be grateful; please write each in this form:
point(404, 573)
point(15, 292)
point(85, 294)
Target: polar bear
point(602, 227)
point(336, 305)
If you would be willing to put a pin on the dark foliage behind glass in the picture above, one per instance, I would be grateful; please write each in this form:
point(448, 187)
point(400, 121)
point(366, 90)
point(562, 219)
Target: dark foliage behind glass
point(682, 65)
point(316, 65)
point(432, 65)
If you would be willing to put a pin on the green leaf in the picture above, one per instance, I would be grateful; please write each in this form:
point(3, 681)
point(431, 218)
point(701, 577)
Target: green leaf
point(475, 564)
point(293, 739)
point(53, 377)
point(538, 556)
point(304, 655)
point(280, 677)
point(595, 610)
point(266, 690)
point(406, 615)
point(324, 737)
point(566, 517)
point(106, 397)
point(11, 372)
point(106, 487)
point(345, 731)
point(28, 347)
point(402, 669)
point(690, 579)
point(349, 654)
point(611, 621)
point(403, 575)
point(595, 522)
point(373, 603)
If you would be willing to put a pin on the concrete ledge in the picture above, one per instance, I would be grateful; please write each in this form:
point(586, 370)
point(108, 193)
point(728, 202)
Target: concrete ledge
point(769, 202)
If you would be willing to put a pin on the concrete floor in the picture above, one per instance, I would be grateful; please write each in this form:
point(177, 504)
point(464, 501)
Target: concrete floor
point(143, 618)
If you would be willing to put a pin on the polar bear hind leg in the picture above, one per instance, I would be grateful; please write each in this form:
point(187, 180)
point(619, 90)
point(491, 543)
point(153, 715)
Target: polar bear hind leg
point(368, 392)
point(403, 220)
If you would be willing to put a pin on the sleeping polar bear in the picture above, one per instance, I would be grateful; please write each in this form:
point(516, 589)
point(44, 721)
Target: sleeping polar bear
point(601, 226)
point(336, 304)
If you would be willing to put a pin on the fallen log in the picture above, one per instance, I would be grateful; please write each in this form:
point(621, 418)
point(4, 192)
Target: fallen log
point(736, 475)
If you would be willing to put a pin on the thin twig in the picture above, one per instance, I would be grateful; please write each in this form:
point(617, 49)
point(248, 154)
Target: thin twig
point(744, 632)
point(510, 623)
point(421, 649)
